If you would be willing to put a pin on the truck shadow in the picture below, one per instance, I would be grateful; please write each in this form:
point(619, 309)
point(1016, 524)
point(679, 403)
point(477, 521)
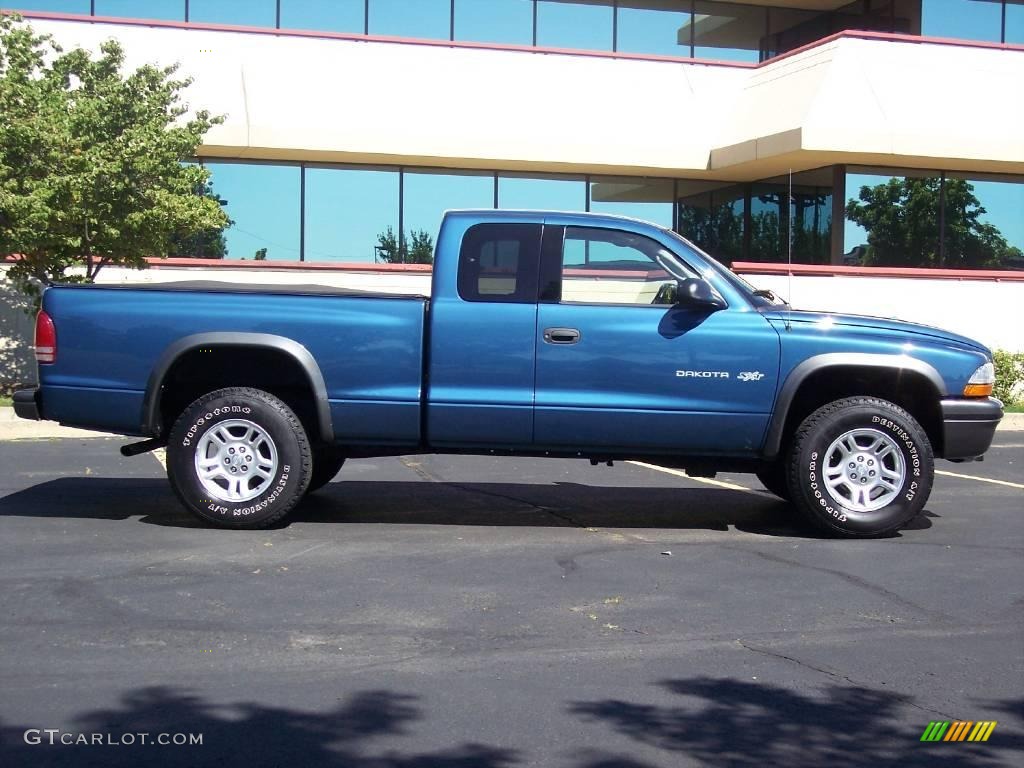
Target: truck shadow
point(558, 505)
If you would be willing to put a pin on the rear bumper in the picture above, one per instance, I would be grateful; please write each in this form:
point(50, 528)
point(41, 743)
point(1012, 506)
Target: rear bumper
point(27, 403)
point(968, 426)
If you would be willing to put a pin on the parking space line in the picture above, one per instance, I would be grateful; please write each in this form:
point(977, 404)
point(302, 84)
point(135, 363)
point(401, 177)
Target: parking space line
point(979, 479)
point(161, 455)
point(680, 473)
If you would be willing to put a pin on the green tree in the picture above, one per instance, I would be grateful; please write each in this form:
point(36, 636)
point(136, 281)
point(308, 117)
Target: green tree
point(90, 170)
point(422, 248)
point(394, 249)
point(207, 244)
point(902, 218)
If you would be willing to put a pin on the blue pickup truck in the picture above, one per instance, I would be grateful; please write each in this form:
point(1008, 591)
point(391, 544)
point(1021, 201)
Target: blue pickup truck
point(545, 334)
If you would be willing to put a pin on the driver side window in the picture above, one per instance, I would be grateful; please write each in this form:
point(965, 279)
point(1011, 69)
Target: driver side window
point(611, 266)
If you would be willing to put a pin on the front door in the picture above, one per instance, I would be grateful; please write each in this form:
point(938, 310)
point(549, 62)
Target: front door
point(618, 370)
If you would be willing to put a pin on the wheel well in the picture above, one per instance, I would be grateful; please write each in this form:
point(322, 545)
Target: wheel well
point(199, 371)
point(909, 390)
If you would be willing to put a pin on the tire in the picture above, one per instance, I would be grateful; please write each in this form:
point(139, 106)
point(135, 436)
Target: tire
point(834, 452)
point(270, 459)
point(774, 478)
point(327, 462)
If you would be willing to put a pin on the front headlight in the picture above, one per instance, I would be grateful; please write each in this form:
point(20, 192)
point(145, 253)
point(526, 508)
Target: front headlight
point(980, 383)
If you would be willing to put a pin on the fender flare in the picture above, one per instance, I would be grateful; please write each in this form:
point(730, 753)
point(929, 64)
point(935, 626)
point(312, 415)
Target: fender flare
point(796, 377)
point(154, 386)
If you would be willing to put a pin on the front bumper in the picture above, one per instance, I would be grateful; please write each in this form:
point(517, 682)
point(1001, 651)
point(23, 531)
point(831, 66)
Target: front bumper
point(968, 426)
point(26, 403)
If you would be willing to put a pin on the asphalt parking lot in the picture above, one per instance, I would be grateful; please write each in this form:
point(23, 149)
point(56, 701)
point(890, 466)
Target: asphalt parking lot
point(491, 613)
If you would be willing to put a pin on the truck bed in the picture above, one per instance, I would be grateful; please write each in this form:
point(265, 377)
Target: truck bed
point(368, 346)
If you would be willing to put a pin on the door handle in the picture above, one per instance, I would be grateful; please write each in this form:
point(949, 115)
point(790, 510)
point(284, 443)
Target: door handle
point(561, 335)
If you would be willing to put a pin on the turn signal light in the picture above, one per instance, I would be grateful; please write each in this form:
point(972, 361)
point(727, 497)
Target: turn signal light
point(981, 382)
point(46, 339)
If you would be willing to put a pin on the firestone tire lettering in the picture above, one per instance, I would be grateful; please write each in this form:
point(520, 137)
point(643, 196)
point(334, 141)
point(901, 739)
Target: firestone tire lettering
point(272, 415)
point(806, 460)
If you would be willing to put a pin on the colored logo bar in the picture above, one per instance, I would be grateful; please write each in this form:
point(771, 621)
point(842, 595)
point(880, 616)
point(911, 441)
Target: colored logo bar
point(958, 730)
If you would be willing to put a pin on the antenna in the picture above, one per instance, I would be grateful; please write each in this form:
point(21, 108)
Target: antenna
point(789, 256)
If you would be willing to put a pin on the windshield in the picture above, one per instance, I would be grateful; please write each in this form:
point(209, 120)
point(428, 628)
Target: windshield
point(759, 298)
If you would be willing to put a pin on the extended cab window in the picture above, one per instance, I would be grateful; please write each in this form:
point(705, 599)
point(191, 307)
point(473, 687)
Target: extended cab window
point(611, 266)
point(499, 262)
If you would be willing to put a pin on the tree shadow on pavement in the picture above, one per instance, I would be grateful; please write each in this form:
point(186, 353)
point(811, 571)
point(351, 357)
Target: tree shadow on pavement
point(243, 734)
point(748, 725)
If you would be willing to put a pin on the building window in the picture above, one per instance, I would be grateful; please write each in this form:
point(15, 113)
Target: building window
point(727, 31)
point(799, 226)
point(654, 26)
point(933, 219)
point(425, 198)
point(165, 10)
point(1014, 23)
point(494, 21)
point(581, 25)
point(711, 216)
point(647, 199)
point(53, 6)
point(548, 193)
point(963, 19)
point(251, 13)
point(984, 222)
point(348, 212)
point(429, 19)
point(262, 201)
point(325, 15)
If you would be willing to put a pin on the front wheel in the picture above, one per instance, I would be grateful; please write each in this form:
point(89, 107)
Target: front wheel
point(239, 458)
point(860, 467)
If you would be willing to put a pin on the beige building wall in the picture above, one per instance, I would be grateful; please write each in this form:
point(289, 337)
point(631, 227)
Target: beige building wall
point(851, 100)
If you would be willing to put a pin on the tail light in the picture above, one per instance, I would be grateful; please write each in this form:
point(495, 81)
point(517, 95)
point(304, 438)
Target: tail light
point(46, 339)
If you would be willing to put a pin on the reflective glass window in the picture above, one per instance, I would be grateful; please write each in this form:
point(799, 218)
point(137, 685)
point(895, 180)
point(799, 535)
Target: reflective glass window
point(892, 220)
point(545, 193)
point(424, 18)
point(53, 6)
point(326, 15)
point(609, 266)
point(583, 25)
point(262, 202)
point(712, 219)
point(167, 10)
point(965, 19)
point(984, 220)
point(1015, 23)
point(498, 263)
point(252, 13)
point(727, 31)
point(426, 196)
point(348, 211)
point(654, 26)
point(647, 199)
point(494, 21)
point(810, 209)
point(206, 244)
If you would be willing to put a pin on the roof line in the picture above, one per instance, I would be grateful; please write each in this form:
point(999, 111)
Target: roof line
point(465, 44)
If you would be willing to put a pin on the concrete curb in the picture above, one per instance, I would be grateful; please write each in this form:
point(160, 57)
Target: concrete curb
point(13, 428)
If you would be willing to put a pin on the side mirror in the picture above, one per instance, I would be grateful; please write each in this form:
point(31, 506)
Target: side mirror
point(695, 292)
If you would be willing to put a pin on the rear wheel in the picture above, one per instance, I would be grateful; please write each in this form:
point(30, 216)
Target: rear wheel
point(860, 467)
point(239, 458)
point(327, 462)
